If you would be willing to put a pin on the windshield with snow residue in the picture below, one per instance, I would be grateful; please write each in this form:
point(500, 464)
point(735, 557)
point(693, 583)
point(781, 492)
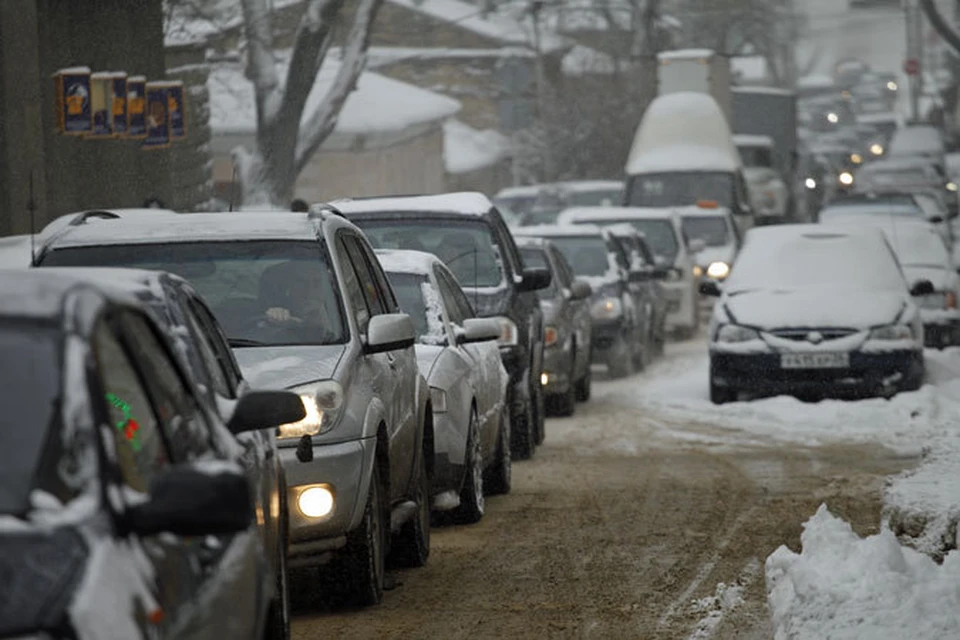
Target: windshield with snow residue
point(415, 299)
point(680, 188)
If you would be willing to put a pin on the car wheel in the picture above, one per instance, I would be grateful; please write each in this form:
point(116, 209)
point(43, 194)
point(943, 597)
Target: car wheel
point(523, 433)
point(499, 477)
point(472, 503)
point(539, 411)
point(278, 615)
point(566, 403)
point(722, 395)
point(412, 544)
point(361, 565)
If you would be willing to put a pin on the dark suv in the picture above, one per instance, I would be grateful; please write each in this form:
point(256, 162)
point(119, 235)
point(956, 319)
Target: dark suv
point(467, 232)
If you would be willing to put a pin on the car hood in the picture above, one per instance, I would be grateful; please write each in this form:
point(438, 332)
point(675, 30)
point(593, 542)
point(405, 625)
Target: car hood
point(427, 355)
point(288, 366)
point(709, 255)
point(769, 309)
point(942, 279)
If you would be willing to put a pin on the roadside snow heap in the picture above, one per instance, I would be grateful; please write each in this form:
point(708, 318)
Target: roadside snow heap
point(841, 586)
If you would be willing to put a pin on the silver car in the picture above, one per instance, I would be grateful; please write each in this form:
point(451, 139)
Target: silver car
point(306, 307)
point(459, 356)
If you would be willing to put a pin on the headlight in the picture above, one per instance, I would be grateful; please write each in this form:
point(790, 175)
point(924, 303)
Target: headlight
point(876, 149)
point(846, 178)
point(607, 309)
point(951, 186)
point(892, 332)
point(856, 158)
point(735, 333)
point(833, 118)
point(892, 86)
point(718, 270)
point(508, 331)
point(321, 402)
point(550, 336)
point(811, 183)
point(438, 398)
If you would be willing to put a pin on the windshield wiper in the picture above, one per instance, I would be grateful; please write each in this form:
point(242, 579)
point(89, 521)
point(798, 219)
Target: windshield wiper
point(245, 342)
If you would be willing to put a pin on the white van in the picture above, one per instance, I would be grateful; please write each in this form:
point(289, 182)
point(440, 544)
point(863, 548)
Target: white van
point(683, 153)
point(769, 194)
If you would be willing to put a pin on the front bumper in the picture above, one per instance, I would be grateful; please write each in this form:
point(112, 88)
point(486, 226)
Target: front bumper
point(868, 373)
point(557, 361)
point(345, 466)
point(608, 339)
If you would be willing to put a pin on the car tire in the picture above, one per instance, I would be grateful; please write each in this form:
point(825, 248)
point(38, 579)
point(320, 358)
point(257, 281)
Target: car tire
point(539, 410)
point(361, 566)
point(411, 547)
point(523, 435)
point(278, 615)
point(499, 477)
point(472, 502)
point(566, 403)
point(722, 395)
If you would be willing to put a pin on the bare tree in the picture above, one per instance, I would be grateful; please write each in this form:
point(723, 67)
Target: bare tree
point(283, 146)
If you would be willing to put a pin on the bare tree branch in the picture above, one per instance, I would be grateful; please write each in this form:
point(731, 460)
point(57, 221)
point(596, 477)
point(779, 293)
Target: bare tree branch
point(261, 66)
point(322, 121)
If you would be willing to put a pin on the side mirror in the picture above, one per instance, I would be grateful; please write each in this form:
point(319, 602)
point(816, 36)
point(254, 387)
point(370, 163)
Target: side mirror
point(479, 330)
point(191, 501)
point(697, 245)
point(580, 290)
point(535, 279)
point(265, 409)
point(389, 332)
point(922, 288)
point(661, 272)
point(710, 289)
point(935, 219)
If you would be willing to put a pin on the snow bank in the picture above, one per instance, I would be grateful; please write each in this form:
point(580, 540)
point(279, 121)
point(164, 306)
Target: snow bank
point(843, 587)
point(467, 149)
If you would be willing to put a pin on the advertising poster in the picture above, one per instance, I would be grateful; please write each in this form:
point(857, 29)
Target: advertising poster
point(157, 115)
point(136, 107)
point(177, 108)
point(118, 85)
point(74, 112)
point(101, 104)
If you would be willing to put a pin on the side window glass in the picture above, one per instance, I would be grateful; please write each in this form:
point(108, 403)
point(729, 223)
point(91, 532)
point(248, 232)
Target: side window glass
point(368, 285)
point(562, 269)
point(138, 443)
point(383, 286)
point(464, 308)
point(177, 408)
point(217, 342)
point(453, 312)
point(507, 246)
point(353, 287)
point(217, 377)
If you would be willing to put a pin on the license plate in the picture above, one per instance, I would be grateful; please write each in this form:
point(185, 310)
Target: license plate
point(814, 360)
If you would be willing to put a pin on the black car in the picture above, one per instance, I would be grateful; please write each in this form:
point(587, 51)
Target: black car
point(466, 231)
point(119, 513)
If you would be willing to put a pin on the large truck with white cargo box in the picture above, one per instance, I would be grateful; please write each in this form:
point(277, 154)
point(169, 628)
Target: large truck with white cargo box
point(700, 70)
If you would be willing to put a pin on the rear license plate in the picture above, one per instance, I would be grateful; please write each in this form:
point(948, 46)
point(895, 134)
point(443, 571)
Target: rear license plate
point(814, 360)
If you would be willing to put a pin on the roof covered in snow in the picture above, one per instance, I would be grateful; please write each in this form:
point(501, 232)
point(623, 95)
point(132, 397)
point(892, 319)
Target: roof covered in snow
point(685, 54)
point(467, 149)
point(466, 202)
point(404, 261)
point(619, 214)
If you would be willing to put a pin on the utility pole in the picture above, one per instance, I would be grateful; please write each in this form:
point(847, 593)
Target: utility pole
point(548, 166)
point(914, 24)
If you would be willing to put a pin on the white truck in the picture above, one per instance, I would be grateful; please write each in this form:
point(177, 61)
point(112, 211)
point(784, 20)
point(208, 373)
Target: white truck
point(699, 70)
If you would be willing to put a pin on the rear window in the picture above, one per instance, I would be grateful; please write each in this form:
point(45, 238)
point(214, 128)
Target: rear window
point(713, 230)
point(659, 232)
point(587, 255)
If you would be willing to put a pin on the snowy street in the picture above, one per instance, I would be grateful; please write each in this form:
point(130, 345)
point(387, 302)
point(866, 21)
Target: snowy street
point(651, 513)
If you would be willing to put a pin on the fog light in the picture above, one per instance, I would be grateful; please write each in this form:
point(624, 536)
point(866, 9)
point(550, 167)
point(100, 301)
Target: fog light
point(846, 178)
point(951, 186)
point(697, 271)
point(811, 183)
point(315, 502)
point(544, 379)
point(892, 86)
point(876, 149)
point(856, 158)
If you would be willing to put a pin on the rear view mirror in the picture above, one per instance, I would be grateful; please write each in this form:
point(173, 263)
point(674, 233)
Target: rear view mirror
point(535, 279)
point(190, 501)
point(922, 288)
point(389, 332)
point(479, 330)
point(580, 290)
point(265, 409)
point(936, 219)
point(710, 289)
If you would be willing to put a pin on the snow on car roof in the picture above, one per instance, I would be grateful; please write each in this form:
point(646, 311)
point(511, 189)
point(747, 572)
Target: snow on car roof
point(406, 261)
point(769, 91)
point(752, 140)
point(575, 215)
point(578, 186)
point(466, 202)
point(526, 191)
point(558, 230)
point(15, 252)
point(31, 293)
point(684, 54)
point(193, 227)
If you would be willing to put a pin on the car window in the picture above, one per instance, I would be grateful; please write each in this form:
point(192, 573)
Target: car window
point(563, 269)
point(352, 286)
point(507, 245)
point(454, 313)
point(459, 297)
point(588, 255)
point(215, 375)
point(139, 447)
point(177, 409)
point(384, 290)
point(217, 343)
point(372, 295)
point(420, 301)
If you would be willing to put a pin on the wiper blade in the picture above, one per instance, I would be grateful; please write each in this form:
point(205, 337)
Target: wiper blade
point(245, 342)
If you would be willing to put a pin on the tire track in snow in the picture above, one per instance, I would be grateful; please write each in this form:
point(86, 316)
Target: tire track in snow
point(726, 598)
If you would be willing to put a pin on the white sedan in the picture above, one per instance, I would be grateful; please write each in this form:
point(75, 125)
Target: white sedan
point(458, 355)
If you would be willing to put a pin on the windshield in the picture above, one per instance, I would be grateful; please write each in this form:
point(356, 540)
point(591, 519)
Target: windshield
point(595, 198)
point(712, 230)
point(264, 293)
point(31, 401)
point(680, 188)
point(418, 299)
point(465, 245)
point(834, 212)
point(659, 233)
point(756, 156)
point(537, 258)
point(587, 255)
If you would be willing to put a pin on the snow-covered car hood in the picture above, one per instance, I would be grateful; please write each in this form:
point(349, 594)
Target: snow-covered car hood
point(814, 308)
point(427, 355)
point(726, 253)
point(289, 366)
point(942, 279)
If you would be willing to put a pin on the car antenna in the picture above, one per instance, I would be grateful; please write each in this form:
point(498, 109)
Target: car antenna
point(32, 208)
point(476, 296)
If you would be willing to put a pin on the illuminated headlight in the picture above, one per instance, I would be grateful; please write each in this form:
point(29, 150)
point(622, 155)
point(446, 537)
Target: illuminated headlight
point(438, 398)
point(321, 403)
point(550, 336)
point(508, 331)
point(544, 379)
point(846, 178)
point(951, 186)
point(856, 158)
point(833, 118)
point(892, 86)
point(607, 309)
point(697, 271)
point(876, 149)
point(892, 332)
point(811, 183)
point(316, 501)
point(731, 333)
point(718, 270)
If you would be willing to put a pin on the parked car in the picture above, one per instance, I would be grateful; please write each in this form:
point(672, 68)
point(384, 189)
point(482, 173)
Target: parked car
point(458, 355)
point(621, 335)
point(814, 309)
point(120, 514)
point(466, 231)
point(718, 231)
point(923, 256)
point(307, 307)
point(568, 327)
point(675, 257)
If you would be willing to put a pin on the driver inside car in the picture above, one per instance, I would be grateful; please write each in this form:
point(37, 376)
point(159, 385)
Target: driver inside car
point(292, 294)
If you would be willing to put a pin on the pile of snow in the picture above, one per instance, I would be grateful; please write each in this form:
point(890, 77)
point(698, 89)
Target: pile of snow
point(581, 61)
point(467, 149)
point(843, 587)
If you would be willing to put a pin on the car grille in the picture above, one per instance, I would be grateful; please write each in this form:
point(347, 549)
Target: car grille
point(803, 335)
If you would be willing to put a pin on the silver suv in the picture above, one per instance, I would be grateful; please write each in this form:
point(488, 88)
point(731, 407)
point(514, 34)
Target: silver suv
point(306, 306)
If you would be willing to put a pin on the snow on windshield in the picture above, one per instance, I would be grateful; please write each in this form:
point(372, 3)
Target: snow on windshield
point(711, 229)
point(419, 300)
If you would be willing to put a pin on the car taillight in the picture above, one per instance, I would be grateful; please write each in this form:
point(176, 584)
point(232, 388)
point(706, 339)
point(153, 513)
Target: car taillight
point(951, 300)
point(550, 336)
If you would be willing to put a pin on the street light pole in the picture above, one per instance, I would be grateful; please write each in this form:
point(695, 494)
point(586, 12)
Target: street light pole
point(914, 26)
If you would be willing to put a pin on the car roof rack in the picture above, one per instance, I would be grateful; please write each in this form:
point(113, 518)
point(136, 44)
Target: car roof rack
point(326, 208)
point(83, 217)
